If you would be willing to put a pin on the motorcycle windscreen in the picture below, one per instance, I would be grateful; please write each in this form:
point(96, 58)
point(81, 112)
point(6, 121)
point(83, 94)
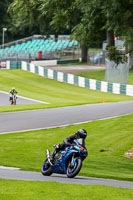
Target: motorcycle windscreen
point(81, 141)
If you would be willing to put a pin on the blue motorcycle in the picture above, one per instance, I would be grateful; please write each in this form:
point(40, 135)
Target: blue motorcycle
point(68, 161)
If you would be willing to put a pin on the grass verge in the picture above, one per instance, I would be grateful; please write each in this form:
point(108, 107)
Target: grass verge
point(113, 136)
point(100, 75)
point(57, 93)
point(97, 74)
point(26, 190)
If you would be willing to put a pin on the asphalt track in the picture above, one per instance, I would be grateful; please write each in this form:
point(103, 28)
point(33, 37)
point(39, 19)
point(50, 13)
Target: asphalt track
point(41, 119)
point(36, 176)
point(63, 116)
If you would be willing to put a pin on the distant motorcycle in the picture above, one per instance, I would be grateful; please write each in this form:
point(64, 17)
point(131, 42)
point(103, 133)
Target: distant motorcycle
point(68, 161)
point(13, 99)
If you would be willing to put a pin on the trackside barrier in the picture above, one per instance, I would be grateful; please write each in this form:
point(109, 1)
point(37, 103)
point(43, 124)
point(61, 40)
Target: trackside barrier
point(54, 62)
point(13, 64)
point(92, 84)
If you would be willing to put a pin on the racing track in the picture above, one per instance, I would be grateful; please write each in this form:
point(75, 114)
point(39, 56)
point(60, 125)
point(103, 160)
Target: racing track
point(37, 176)
point(55, 117)
point(41, 119)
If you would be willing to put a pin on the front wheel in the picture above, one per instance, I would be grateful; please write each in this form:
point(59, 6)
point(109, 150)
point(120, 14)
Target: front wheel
point(46, 168)
point(72, 171)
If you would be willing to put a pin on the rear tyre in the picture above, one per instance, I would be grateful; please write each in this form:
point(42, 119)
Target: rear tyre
point(46, 168)
point(72, 171)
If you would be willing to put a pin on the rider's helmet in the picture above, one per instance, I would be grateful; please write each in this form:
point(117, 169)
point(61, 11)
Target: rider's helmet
point(13, 89)
point(82, 133)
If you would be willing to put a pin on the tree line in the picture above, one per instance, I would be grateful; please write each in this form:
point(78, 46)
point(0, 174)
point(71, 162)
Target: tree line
point(89, 22)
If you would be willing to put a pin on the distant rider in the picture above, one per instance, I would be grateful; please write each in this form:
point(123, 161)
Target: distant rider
point(81, 134)
point(13, 91)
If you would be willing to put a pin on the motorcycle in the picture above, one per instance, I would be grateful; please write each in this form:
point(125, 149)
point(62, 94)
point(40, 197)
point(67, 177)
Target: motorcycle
point(68, 161)
point(13, 99)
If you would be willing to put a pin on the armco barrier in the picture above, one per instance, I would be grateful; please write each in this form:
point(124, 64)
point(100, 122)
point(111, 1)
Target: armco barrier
point(92, 84)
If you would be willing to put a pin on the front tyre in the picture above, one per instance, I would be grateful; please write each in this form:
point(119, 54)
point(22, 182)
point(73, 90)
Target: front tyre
point(72, 171)
point(46, 168)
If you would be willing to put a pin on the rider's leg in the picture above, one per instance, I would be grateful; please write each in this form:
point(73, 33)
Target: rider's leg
point(58, 147)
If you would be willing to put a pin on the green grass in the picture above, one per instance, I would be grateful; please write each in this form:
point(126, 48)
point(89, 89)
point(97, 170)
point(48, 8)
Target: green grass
point(130, 80)
point(27, 190)
point(57, 93)
point(27, 150)
point(100, 75)
point(74, 64)
point(97, 74)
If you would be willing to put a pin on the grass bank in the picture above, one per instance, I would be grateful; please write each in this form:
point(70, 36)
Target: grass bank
point(107, 141)
point(100, 75)
point(18, 190)
point(56, 93)
point(97, 74)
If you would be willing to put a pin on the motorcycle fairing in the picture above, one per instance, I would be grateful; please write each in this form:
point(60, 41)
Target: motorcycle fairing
point(60, 165)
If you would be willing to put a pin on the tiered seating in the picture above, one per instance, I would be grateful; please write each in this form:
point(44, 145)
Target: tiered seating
point(32, 48)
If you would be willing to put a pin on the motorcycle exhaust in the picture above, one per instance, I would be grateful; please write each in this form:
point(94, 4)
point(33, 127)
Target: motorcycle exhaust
point(48, 153)
point(48, 156)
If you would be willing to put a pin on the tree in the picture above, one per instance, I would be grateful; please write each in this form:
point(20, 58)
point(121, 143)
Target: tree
point(119, 19)
point(27, 19)
point(75, 16)
point(17, 25)
point(87, 20)
point(4, 17)
point(83, 17)
point(24, 18)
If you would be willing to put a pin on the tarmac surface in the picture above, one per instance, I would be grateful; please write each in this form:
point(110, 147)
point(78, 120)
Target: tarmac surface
point(37, 176)
point(62, 116)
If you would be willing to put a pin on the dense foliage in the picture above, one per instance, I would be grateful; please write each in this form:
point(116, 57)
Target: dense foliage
point(86, 21)
point(4, 17)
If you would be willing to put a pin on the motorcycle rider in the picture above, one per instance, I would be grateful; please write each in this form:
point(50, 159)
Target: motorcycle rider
point(81, 134)
point(13, 91)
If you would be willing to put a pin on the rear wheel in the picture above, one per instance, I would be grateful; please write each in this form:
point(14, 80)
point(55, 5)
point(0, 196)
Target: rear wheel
point(46, 168)
point(72, 171)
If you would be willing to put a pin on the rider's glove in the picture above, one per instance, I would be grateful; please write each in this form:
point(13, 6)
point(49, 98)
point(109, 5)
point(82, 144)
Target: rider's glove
point(56, 146)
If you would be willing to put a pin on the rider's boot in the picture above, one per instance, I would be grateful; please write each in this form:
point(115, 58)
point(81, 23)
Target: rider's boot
point(56, 146)
point(53, 156)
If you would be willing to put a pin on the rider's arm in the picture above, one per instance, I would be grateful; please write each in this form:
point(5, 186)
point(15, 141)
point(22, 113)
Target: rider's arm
point(69, 140)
